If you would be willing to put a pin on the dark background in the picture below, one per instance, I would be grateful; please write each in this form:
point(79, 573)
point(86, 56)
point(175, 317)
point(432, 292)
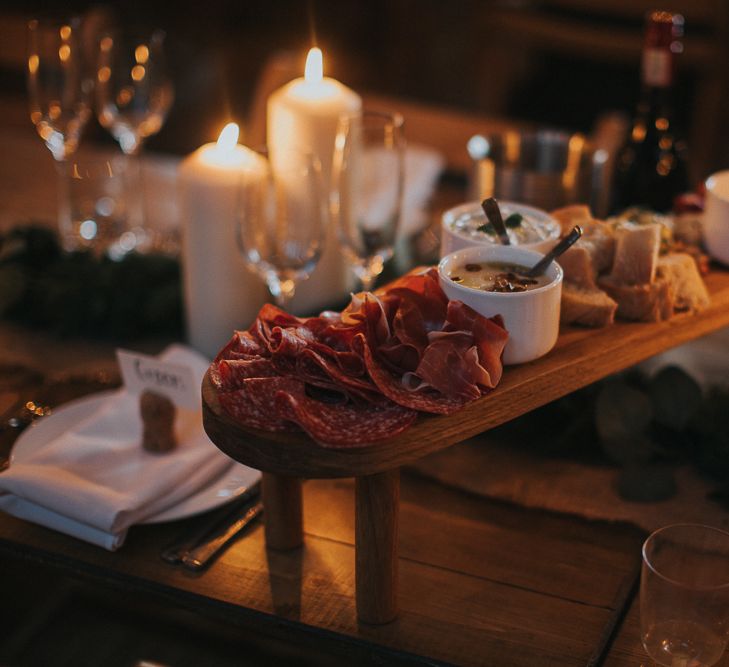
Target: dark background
point(557, 62)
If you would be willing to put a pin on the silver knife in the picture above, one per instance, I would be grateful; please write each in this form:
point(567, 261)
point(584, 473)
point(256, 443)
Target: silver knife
point(174, 552)
point(198, 557)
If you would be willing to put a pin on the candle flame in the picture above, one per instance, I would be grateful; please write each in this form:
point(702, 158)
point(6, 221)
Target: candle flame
point(228, 137)
point(314, 70)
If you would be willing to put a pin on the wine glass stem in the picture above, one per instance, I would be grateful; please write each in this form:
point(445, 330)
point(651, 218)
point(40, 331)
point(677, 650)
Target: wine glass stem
point(368, 281)
point(65, 217)
point(135, 189)
point(283, 291)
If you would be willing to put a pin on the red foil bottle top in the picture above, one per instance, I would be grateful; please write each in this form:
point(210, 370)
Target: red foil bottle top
point(663, 29)
point(663, 34)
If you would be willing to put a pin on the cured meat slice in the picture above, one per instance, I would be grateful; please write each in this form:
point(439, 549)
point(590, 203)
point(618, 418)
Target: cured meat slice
point(398, 357)
point(450, 364)
point(357, 377)
point(367, 313)
point(232, 372)
point(290, 341)
point(241, 345)
point(343, 425)
point(392, 387)
point(271, 316)
point(314, 368)
point(423, 292)
point(252, 404)
point(489, 335)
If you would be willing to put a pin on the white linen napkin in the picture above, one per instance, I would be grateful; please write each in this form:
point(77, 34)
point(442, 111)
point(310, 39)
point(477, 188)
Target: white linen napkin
point(423, 166)
point(95, 480)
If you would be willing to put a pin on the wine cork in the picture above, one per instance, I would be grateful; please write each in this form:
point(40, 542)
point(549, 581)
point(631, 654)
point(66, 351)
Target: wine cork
point(158, 421)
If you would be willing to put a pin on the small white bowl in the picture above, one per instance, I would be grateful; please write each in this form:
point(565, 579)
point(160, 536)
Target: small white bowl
point(716, 216)
point(458, 227)
point(531, 317)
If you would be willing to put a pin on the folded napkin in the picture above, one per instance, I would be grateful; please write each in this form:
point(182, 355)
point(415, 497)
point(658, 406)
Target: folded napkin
point(423, 166)
point(94, 480)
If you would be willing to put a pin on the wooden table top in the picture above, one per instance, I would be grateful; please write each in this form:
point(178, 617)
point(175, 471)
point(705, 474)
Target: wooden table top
point(473, 590)
point(482, 582)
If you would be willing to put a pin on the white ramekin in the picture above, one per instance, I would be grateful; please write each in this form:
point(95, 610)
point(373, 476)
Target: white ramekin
point(531, 317)
point(716, 216)
point(452, 239)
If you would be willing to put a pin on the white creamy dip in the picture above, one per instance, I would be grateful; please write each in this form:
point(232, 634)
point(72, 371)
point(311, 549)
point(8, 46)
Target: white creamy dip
point(462, 226)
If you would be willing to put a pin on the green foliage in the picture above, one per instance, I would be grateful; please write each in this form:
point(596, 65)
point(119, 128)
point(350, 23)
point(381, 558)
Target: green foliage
point(78, 294)
point(511, 222)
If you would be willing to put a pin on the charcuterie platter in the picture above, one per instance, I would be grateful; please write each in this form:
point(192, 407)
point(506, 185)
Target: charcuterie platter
point(580, 357)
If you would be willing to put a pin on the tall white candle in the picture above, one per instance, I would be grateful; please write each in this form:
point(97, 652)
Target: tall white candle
point(221, 294)
point(302, 117)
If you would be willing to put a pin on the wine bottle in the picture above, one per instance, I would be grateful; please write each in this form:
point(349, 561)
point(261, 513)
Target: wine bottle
point(650, 169)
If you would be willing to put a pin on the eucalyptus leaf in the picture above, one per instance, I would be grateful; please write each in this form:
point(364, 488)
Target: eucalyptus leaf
point(622, 417)
point(675, 397)
point(487, 228)
point(514, 220)
point(75, 293)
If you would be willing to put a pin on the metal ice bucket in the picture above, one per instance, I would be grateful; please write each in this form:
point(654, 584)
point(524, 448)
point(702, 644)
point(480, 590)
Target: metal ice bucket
point(545, 168)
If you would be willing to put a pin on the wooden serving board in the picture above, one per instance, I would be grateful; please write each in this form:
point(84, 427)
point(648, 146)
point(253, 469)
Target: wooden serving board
point(580, 357)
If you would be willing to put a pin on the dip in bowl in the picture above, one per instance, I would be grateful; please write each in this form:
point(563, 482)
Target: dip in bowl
point(528, 227)
point(531, 315)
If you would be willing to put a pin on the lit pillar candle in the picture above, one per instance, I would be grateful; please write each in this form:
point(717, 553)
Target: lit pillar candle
point(221, 294)
point(302, 117)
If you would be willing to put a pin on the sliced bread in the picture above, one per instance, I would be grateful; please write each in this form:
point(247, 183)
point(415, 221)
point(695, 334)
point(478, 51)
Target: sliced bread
point(586, 307)
point(649, 302)
point(636, 254)
point(679, 269)
point(578, 266)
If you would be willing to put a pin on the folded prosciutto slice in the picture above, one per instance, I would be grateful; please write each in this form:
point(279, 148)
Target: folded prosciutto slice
point(360, 376)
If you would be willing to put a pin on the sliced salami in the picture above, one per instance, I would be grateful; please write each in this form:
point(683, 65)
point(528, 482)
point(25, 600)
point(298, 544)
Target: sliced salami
point(358, 377)
point(242, 344)
point(343, 425)
point(252, 404)
point(232, 372)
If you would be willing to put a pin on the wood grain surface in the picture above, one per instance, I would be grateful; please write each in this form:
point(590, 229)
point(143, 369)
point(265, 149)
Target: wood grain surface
point(481, 583)
point(581, 356)
point(284, 518)
point(376, 520)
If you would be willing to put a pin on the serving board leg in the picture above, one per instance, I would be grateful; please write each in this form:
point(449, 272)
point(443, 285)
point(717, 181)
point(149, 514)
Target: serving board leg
point(282, 511)
point(377, 508)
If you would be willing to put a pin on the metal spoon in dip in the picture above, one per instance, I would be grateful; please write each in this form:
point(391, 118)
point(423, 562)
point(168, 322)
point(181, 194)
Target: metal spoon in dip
point(541, 266)
point(491, 208)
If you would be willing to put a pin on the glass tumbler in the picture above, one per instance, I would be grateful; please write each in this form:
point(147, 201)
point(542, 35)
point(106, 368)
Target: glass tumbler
point(98, 207)
point(684, 595)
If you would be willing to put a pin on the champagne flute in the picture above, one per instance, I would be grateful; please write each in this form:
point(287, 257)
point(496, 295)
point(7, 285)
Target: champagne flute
point(366, 200)
point(281, 222)
point(134, 95)
point(60, 90)
point(684, 595)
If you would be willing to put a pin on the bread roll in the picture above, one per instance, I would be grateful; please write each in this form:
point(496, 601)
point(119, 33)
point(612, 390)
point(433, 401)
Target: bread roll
point(587, 307)
point(679, 270)
point(636, 254)
point(649, 302)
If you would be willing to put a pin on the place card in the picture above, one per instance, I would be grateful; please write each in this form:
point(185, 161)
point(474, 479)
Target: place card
point(142, 372)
